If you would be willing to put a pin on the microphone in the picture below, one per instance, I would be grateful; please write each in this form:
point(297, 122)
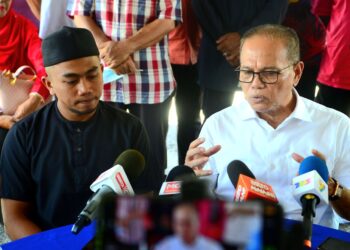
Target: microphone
point(129, 165)
point(172, 184)
point(310, 189)
point(247, 187)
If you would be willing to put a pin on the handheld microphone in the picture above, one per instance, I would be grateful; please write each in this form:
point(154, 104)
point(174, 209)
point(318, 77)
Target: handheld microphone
point(172, 184)
point(247, 187)
point(310, 189)
point(129, 165)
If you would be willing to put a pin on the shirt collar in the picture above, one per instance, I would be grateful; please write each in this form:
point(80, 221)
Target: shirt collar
point(300, 112)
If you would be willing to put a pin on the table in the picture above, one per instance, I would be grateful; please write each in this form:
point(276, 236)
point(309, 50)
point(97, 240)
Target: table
point(62, 238)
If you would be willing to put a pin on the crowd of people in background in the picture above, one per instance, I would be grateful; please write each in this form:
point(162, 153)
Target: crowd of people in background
point(182, 49)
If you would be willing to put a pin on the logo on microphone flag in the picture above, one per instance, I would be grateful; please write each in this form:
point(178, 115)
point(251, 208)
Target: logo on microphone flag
point(121, 182)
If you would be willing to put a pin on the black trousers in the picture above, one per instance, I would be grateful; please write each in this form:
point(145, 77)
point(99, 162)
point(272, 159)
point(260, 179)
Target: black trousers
point(155, 119)
point(3, 133)
point(338, 99)
point(214, 101)
point(188, 105)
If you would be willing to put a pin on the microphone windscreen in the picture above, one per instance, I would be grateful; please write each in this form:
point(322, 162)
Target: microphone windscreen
point(235, 169)
point(180, 173)
point(314, 163)
point(132, 162)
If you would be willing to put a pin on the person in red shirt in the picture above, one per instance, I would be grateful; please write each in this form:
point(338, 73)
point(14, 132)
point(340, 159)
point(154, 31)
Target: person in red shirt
point(334, 75)
point(20, 45)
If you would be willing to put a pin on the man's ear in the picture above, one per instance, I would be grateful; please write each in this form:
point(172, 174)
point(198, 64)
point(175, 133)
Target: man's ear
point(298, 71)
point(47, 83)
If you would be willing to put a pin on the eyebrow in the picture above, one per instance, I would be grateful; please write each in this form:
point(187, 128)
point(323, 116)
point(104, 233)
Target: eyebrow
point(71, 75)
point(263, 69)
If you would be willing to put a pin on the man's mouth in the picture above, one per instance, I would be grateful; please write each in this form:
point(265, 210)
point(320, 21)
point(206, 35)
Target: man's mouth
point(257, 98)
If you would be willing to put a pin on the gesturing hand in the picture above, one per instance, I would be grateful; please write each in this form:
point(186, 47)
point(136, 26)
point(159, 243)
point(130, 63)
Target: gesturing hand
point(298, 158)
point(197, 156)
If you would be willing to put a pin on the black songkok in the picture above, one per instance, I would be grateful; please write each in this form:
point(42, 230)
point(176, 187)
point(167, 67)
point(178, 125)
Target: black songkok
point(68, 44)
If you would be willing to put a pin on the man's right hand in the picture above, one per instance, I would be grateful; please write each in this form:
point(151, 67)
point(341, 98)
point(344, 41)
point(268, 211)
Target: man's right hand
point(197, 156)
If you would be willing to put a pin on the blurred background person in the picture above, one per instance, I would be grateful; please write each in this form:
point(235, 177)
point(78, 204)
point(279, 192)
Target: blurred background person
point(20, 45)
point(183, 49)
point(312, 34)
point(223, 23)
point(334, 75)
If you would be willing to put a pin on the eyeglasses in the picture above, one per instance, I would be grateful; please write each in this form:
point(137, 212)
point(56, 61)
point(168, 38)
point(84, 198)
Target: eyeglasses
point(266, 76)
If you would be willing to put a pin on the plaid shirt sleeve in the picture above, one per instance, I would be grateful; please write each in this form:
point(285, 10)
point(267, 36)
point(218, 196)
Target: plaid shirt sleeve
point(80, 8)
point(170, 9)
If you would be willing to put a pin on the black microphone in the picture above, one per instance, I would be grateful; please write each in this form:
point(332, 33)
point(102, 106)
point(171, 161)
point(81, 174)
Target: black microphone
point(180, 172)
point(235, 169)
point(172, 183)
point(247, 187)
point(129, 165)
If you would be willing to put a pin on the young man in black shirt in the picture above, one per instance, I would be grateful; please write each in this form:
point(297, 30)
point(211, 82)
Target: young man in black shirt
point(51, 157)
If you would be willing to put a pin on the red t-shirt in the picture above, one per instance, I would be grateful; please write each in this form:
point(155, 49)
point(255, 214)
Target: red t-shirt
point(185, 38)
point(334, 70)
point(20, 45)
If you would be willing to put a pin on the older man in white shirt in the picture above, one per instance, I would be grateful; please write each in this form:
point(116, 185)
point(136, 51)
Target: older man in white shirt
point(274, 128)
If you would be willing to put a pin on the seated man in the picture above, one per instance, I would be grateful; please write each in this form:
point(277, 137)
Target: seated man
point(51, 157)
point(274, 128)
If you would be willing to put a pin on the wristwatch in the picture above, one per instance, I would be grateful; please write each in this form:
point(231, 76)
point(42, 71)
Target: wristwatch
point(337, 192)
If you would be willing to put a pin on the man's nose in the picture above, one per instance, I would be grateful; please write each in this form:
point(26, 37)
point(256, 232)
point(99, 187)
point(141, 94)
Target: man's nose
point(257, 83)
point(84, 86)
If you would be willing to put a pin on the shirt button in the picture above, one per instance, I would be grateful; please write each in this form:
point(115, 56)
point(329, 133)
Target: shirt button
point(79, 149)
point(78, 130)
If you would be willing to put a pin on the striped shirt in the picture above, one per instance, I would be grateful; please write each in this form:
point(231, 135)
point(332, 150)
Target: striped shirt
point(120, 19)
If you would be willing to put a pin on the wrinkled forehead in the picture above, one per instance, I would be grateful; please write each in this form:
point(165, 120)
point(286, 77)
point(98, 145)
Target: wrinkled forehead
point(263, 51)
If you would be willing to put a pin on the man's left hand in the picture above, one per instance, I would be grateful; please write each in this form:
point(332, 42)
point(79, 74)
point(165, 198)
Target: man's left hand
point(114, 53)
point(298, 158)
point(127, 67)
point(27, 107)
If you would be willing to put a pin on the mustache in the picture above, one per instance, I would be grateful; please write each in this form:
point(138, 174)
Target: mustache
point(86, 99)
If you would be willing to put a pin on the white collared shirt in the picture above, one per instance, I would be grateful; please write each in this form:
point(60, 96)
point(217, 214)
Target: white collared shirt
point(175, 243)
point(268, 152)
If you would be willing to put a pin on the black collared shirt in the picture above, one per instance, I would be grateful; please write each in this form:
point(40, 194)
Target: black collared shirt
point(51, 162)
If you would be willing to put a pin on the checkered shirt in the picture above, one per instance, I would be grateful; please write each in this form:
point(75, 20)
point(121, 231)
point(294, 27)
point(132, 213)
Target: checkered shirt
point(120, 19)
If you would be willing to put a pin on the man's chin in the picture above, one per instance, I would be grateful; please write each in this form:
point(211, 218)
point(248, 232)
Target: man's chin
point(85, 111)
point(260, 108)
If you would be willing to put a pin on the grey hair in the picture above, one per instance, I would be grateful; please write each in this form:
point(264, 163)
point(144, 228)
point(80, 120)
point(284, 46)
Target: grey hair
point(275, 31)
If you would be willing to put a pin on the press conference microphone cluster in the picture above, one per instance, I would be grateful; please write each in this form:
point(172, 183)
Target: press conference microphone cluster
point(310, 189)
point(128, 166)
point(247, 187)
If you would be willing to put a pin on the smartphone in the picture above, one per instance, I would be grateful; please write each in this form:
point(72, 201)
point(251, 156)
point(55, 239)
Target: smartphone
point(334, 244)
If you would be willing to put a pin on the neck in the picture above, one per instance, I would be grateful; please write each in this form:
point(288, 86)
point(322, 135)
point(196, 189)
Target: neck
point(276, 116)
point(190, 242)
